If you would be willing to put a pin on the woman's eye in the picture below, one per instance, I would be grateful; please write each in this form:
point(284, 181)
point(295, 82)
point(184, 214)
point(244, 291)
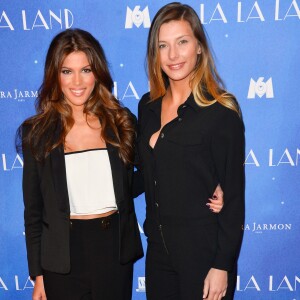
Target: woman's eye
point(161, 46)
point(66, 71)
point(87, 70)
point(183, 42)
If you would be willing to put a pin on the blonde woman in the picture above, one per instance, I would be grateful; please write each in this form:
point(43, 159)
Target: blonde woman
point(191, 138)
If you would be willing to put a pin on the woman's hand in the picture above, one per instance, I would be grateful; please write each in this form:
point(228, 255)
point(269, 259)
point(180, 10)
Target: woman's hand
point(215, 284)
point(39, 290)
point(216, 202)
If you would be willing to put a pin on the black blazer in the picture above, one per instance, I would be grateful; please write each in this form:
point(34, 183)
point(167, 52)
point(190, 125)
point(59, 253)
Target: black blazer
point(47, 210)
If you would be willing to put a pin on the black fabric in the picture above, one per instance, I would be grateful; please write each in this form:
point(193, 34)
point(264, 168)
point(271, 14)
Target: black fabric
point(96, 272)
point(200, 148)
point(47, 210)
point(177, 274)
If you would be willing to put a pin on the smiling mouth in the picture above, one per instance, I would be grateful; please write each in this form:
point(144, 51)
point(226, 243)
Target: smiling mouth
point(77, 92)
point(176, 66)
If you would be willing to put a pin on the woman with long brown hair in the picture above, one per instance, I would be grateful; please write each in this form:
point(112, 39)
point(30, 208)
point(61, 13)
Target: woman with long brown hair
point(82, 235)
point(191, 138)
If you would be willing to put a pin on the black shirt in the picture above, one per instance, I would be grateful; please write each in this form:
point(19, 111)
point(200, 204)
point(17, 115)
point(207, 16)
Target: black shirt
point(201, 147)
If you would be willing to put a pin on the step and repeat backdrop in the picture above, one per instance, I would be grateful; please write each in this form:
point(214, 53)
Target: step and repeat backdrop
point(257, 50)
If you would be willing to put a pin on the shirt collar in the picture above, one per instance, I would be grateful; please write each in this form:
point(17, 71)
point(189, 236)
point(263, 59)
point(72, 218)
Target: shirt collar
point(155, 105)
point(190, 102)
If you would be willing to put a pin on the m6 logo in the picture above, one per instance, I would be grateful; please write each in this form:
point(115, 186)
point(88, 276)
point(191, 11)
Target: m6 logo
point(137, 17)
point(260, 88)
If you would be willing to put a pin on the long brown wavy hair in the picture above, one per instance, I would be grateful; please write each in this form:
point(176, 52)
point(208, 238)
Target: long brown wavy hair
point(53, 110)
point(205, 81)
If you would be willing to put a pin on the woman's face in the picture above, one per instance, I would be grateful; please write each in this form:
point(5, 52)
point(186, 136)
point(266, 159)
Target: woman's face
point(76, 79)
point(178, 50)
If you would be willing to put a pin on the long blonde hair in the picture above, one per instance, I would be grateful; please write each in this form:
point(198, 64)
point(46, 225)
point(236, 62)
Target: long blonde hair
point(205, 82)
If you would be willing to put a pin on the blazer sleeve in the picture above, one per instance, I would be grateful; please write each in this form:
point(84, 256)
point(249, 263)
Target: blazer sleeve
point(228, 149)
point(138, 178)
point(33, 203)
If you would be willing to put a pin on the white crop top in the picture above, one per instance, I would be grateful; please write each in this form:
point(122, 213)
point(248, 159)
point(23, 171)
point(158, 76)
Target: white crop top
point(89, 180)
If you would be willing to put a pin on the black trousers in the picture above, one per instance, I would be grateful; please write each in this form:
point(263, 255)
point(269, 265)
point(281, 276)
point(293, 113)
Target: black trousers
point(96, 273)
point(177, 262)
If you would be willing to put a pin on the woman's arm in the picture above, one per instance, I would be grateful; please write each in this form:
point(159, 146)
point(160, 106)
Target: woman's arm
point(138, 187)
point(228, 150)
point(33, 208)
point(138, 183)
point(138, 179)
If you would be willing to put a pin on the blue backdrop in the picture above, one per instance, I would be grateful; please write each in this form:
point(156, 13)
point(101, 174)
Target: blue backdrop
point(257, 46)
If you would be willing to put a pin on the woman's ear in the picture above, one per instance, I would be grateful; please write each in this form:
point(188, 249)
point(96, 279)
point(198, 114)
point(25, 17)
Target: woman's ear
point(199, 50)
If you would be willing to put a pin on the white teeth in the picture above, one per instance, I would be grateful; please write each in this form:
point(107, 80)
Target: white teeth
point(77, 92)
point(175, 67)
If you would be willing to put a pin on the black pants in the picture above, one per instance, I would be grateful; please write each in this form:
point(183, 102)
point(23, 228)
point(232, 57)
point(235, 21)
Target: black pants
point(178, 272)
point(96, 273)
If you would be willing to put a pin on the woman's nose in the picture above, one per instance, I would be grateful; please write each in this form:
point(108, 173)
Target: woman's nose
point(173, 52)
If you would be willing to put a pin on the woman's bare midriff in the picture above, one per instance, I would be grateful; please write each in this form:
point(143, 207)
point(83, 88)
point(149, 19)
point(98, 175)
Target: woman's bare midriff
point(96, 216)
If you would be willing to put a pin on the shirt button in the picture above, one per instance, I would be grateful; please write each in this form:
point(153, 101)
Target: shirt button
point(154, 182)
point(179, 119)
point(156, 204)
point(183, 106)
point(162, 135)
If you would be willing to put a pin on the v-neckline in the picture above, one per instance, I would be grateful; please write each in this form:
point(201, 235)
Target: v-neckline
point(158, 132)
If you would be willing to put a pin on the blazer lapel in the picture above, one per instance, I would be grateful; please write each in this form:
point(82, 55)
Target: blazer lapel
point(59, 176)
point(116, 170)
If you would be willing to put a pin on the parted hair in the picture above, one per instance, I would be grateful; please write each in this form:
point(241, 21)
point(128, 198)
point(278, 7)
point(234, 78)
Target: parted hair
point(206, 84)
point(52, 109)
